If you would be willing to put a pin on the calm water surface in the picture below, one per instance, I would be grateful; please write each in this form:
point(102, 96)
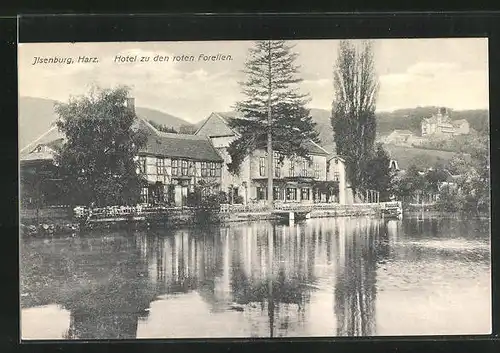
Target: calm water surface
point(321, 277)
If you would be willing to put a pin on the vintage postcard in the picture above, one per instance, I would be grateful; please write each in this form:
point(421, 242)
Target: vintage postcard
point(239, 189)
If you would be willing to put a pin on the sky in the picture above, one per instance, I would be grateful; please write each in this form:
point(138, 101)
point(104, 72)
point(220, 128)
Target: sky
point(450, 72)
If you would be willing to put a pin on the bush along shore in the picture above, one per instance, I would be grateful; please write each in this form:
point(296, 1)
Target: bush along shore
point(116, 217)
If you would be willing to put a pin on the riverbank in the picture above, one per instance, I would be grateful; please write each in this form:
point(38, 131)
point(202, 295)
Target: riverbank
point(56, 221)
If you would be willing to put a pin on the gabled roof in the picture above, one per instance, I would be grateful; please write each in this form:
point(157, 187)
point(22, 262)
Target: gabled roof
point(167, 144)
point(158, 143)
point(44, 155)
point(216, 125)
point(402, 132)
point(46, 138)
point(313, 148)
point(335, 156)
point(459, 122)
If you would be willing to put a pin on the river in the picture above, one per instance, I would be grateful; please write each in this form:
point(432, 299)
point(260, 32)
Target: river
point(319, 277)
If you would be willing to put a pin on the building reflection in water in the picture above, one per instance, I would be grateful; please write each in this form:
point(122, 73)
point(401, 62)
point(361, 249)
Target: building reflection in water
point(313, 278)
point(272, 270)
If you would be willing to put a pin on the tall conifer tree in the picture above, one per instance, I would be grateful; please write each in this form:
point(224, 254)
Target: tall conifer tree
point(273, 115)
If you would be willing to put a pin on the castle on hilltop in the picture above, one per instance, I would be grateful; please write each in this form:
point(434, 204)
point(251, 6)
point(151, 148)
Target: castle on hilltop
point(440, 124)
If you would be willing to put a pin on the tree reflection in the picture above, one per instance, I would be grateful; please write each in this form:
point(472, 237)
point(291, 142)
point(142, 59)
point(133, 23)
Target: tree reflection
point(268, 271)
point(101, 281)
point(355, 290)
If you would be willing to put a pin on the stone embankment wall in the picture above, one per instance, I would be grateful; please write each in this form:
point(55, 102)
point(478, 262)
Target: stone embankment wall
point(55, 221)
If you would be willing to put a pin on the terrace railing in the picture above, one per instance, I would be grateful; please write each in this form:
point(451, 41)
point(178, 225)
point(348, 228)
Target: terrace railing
point(299, 207)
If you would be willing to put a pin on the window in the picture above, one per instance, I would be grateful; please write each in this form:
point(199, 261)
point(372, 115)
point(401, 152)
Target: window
point(204, 171)
point(292, 168)
point(142, 165)
point(160, 166)
point(305, 167)
point(261, 193)
point(336, 176)
point(218, 169)
point(262, 166)
point(277, 164)
point(184, 169)
point(305, 194)
point(316, 170)
point(213, 169)
point(175, 167)
point(291, 194)
point(276, 193)
point(144, 195)
point(192, 168)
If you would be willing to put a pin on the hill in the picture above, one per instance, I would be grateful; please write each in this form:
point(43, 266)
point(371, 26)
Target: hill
point(410, 119)
point(37, 114)
point(324, 127)
point(160, 117)
point(402, 119)
point(421, 158)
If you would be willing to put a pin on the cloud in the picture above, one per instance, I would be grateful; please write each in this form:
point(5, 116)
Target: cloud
point(432, 69)
point(164, 85)
point(431, 83)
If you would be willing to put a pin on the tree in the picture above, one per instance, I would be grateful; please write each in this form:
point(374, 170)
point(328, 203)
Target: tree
point(378, 174)
point(474, 180)
point(97, 160)
point(273, 114)
point(435, 177)
point(353, 109)
point(162, 127)
point(187, 129)
point(410, 184)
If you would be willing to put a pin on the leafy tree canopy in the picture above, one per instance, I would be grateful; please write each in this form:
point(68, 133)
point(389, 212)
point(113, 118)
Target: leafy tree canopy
point(353, 108)
point(162, 127)
point(187, 129)
point(97, 160)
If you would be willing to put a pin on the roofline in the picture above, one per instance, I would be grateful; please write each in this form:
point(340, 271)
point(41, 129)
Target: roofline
point(320, 147)
point(146, 153)
point(336, 156)
point(148, 124)
point(37, 139)
point(202, 125)
point(225, 122)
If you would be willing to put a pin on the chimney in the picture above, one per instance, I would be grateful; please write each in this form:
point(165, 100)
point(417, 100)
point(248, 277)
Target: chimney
point(130, 103)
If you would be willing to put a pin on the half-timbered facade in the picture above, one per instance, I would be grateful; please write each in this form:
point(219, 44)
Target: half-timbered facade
point(303, 180)
point(173, 165)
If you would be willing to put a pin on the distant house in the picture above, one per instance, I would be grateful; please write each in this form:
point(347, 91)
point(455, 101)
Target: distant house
point(440, 124)
point(39, 184)
point(295, 180)
point(451, 182)
point(399, 137)
point(393, 165)
point(402, 157)
point(461, 127)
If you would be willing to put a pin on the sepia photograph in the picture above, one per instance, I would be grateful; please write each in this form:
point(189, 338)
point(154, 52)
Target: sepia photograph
point(254, 189)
